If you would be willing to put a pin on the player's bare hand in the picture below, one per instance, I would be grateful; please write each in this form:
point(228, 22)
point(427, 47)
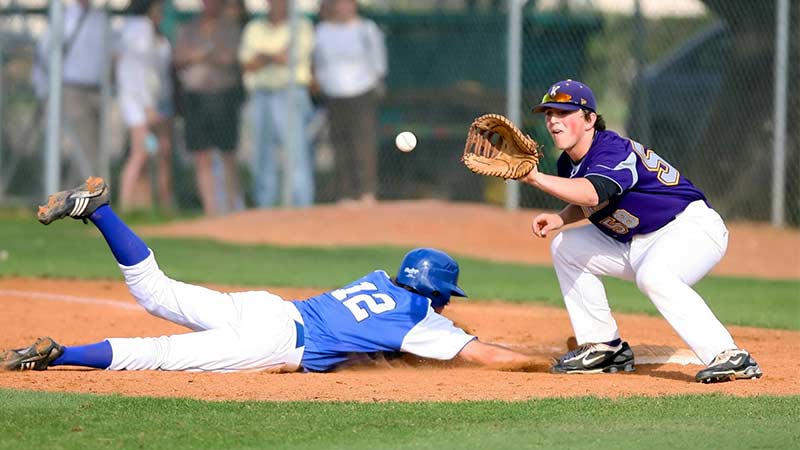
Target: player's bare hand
point(545, 223)
point(531, 177)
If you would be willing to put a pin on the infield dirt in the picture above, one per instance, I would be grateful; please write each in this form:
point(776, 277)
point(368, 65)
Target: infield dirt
point(76, 312)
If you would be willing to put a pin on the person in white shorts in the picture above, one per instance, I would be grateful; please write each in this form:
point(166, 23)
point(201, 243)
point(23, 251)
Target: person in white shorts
point(145, 93)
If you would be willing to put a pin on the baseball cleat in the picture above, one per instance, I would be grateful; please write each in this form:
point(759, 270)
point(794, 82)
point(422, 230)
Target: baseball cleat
point(36, 357)
point(730, 365)
point(596, 358)
point(78, 203)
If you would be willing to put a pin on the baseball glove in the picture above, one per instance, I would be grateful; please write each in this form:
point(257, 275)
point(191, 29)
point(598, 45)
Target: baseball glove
point(496, 147)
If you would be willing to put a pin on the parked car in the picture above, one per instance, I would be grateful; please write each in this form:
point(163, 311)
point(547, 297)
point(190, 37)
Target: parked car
point(689, 79)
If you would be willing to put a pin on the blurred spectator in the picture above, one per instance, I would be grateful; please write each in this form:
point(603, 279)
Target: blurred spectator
point(264, 54)
point(205, 57)
point(235, 11)
point(83, 43)
point(350, 66)
point(144, 84)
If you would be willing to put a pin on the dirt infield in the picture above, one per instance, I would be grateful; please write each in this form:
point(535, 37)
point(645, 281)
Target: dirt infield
point(82, 312)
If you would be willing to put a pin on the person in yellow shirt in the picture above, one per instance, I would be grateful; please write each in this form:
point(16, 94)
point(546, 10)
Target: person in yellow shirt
point(264, 57)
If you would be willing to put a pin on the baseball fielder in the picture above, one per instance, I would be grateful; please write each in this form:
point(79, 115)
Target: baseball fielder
point(259, 330)
point(649, 225)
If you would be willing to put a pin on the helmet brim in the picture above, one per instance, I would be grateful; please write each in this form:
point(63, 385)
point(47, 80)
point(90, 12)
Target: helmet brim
point(456, 291)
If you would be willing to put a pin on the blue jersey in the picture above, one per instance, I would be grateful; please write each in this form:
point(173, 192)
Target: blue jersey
point(372, 314)
point(651, 191)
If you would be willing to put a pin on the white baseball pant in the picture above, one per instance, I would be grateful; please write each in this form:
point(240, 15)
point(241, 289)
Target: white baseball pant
point(664, 264)
point(239, 331)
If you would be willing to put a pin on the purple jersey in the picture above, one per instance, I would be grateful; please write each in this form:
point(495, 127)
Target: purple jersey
point(652, 191)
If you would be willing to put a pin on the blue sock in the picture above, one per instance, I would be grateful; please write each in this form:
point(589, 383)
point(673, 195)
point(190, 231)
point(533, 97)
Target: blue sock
point(126, 246)
point(93, 355)
point(613, 343)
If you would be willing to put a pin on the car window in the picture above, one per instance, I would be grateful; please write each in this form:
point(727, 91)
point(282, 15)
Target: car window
point(708, 56)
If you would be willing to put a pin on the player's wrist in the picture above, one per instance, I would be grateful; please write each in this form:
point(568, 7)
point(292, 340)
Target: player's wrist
point(537, 179)
point(531, 178)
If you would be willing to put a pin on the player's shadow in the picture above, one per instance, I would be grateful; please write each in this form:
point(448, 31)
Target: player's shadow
point(399, 360)
point(651, 370)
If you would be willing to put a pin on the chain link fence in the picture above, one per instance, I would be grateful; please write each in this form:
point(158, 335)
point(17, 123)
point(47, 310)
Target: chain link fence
point(692, 79)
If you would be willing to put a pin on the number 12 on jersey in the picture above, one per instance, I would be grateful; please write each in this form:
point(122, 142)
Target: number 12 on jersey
point(352, 297)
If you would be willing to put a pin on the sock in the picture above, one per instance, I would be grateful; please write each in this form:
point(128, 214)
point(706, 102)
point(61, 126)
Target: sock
point(126, 246)
point(93, 355)
point(613, 343)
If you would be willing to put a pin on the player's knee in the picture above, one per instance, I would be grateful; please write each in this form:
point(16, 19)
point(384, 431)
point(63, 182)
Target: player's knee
point(147, 298)
point(653, 280)
point(149, 305)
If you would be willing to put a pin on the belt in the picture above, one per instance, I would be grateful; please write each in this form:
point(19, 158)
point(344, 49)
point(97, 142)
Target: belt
point(301, 335)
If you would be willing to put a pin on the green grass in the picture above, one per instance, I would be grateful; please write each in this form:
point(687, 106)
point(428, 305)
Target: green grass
point(80, 421)
point(70, 249)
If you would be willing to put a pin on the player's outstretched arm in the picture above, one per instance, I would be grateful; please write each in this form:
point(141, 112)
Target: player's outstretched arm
point(577, 191)
point(494, 356)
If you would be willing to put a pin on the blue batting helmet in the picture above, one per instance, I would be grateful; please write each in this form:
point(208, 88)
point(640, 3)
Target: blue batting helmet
point(432, 273)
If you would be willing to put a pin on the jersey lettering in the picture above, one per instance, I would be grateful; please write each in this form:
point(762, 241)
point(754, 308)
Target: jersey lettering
point(667, 174)
point(620, 221)
point(341, 294)
point(387, 303)
point(651, 191)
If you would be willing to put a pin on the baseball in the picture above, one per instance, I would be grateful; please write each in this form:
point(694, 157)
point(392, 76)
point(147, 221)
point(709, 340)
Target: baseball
point(405, 141)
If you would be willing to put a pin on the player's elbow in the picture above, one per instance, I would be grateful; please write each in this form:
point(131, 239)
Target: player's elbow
point(474, 352)
point(581, 192)
point(589, 194)
point(590, 199)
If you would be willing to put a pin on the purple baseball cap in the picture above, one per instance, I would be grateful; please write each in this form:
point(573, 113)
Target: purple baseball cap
point(568, 95)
